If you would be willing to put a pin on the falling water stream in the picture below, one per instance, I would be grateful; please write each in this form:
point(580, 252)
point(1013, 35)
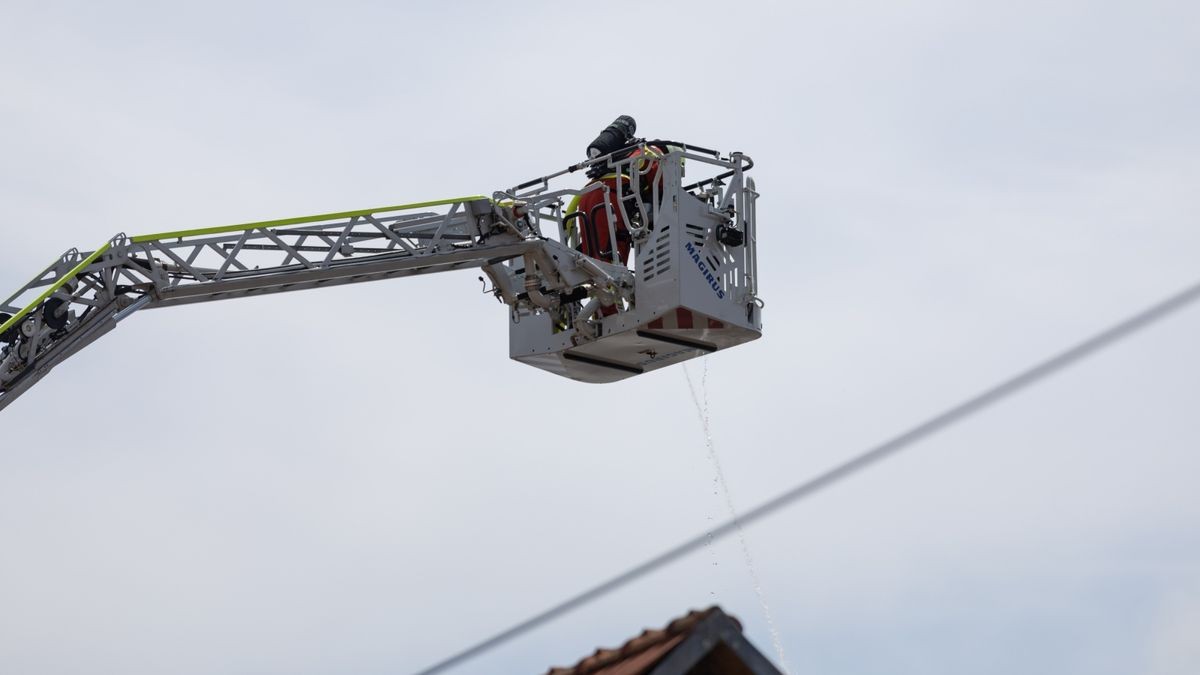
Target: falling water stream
point(701, 404)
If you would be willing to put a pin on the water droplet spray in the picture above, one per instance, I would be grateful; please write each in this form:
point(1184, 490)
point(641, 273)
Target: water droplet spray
point(701, 404)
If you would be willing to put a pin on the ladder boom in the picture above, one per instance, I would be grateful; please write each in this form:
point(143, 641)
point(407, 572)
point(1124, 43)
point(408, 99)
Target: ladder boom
point(81, 296)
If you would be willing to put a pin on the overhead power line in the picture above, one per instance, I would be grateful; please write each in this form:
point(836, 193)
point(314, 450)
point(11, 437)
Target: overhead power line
point(863, 460)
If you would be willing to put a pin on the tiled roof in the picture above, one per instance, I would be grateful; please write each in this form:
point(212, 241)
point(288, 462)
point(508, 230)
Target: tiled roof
point(639, 655)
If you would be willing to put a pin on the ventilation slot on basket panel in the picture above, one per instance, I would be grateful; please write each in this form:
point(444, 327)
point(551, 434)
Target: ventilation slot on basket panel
point(657, 255)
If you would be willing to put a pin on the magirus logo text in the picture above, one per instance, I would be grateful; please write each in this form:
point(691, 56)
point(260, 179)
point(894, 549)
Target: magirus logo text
point(708, 275)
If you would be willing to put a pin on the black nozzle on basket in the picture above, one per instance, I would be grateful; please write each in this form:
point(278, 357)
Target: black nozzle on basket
point(614, 137)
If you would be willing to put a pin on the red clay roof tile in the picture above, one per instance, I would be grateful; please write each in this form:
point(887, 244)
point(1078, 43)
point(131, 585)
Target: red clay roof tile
point(640, 654)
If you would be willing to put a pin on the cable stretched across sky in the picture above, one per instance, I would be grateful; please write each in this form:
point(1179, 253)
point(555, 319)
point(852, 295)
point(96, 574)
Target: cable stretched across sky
point(1004, 389)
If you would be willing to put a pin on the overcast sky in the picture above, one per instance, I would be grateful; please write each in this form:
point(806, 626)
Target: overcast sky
point(358, 479)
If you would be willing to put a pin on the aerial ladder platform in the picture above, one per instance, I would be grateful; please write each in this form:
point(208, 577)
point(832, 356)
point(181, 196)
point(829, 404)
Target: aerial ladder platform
point(659, 270)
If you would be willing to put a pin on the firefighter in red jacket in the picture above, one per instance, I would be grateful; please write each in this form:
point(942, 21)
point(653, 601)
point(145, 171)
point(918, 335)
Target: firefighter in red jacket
point(596, 233)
